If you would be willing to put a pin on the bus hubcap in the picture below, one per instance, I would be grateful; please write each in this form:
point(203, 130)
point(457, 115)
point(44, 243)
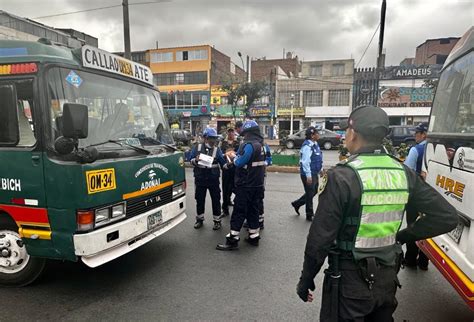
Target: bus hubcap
point(13, 255)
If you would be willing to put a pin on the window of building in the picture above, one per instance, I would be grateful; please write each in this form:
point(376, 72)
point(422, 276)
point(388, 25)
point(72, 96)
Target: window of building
point(337, 69)
point(313, 98)
point(316, 70)
point(161, 57)
point(191, 55)
point(183, 100)
point(339, 97)
point(287, 99)
point(180, 78)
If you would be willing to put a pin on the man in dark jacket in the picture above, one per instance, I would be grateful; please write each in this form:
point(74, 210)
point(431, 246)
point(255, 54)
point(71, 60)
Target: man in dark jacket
point(357, 223)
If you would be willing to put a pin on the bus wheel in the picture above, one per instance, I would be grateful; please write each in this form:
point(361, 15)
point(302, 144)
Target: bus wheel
point(17, 267)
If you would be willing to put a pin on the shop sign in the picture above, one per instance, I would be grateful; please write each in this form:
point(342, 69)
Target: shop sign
point(186, 114)
point(286, 111)
point(410, 72)
point(260, 111)
point(392, 96)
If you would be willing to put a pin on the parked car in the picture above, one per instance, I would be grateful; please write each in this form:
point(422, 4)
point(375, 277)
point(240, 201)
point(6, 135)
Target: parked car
point(402, 134)
point(182, 136)
point(327, 139)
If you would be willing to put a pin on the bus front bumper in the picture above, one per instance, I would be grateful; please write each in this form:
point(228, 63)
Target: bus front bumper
point(105, 244)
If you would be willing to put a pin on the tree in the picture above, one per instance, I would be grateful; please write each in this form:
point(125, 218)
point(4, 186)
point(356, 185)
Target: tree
point(250, 91)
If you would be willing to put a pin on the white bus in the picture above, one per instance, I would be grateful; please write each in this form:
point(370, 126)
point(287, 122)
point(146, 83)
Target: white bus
point(449, 164)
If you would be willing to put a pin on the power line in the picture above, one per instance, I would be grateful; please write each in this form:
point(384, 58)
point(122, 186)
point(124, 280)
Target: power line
point(366, 48)
point(101, 8)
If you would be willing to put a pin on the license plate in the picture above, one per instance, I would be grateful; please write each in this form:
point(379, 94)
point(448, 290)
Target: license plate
point(100, 180)
point(154, 219)
point(456, 233)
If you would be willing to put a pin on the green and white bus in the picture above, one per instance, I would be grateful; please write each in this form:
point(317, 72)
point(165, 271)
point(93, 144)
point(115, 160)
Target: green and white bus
point(88, 167)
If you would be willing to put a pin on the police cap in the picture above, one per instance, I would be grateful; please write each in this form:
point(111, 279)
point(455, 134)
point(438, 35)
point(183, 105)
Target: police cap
point(370, 121)
point(310, 131)
point(421, 128)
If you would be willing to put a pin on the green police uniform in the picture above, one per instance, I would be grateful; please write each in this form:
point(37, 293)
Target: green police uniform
point(357, 222)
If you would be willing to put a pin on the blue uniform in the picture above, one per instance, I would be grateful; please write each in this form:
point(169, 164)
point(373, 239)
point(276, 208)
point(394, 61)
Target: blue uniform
point(249, 183)
point(413, 255)
point(207, 179)
point(311, 162)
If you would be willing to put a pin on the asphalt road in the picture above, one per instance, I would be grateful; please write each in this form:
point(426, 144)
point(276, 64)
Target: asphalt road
point(180, 276)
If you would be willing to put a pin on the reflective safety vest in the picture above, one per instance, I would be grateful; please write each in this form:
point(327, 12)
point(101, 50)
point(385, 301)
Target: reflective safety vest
point(384, 187)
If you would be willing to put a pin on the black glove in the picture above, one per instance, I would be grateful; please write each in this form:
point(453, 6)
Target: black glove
point(303, 286)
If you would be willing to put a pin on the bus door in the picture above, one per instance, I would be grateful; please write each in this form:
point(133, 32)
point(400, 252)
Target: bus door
point(21, 162)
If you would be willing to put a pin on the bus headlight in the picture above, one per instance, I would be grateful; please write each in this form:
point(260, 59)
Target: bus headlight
point(118, 211)
point(178, 190)
point(101, 215)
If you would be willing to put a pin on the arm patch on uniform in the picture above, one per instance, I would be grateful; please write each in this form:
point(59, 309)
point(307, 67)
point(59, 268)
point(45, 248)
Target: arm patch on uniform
point(322, 184)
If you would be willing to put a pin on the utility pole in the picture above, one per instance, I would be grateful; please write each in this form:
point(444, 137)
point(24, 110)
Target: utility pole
point(126, 30)
point(248, 69)
point(379, 54)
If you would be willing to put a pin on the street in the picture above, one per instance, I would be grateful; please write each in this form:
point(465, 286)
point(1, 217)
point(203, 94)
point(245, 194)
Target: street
point(180, 276)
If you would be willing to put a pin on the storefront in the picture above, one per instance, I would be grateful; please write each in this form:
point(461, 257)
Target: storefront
point(284, 117)
point(263, 116)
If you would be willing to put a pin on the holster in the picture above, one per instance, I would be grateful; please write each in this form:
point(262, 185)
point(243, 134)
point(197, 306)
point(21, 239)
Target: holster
point(368, 269)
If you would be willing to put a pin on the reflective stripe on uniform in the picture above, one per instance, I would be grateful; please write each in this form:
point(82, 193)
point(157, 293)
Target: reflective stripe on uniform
point(380, 217)
point(363, 242)
point(258, 164)
point(383, 179)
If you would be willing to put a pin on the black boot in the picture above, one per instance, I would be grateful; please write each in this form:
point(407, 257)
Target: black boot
point(253, 241)
point(297, 209)
point(231, 243)
point(309, 217)
point(198, 224)
point(217, 225)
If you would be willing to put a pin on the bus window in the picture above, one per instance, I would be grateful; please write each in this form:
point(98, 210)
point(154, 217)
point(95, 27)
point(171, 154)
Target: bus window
point(453, 109)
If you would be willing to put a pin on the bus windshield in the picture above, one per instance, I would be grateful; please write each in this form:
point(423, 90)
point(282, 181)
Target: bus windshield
point(117, 109)
point(453, 108)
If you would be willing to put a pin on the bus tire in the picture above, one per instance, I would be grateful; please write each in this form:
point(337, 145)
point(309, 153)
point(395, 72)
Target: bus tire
point(17, 267)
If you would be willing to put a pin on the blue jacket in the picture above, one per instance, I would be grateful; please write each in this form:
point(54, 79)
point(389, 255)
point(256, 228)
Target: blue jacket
point(311, 159)
point(414, 159)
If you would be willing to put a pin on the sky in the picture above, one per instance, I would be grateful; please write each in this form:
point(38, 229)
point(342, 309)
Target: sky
point(311, 29)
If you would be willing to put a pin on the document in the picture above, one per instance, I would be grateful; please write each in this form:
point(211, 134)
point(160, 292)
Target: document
point(205, 160)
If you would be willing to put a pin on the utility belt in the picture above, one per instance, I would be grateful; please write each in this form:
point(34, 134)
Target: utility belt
point(255, 164)
point(203, 167)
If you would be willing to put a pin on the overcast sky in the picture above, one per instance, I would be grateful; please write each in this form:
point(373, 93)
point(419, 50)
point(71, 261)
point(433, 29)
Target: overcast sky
point(312, 29)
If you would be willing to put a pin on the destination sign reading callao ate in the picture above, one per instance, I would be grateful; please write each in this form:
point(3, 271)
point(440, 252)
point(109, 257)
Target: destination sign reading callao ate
point(99, 59)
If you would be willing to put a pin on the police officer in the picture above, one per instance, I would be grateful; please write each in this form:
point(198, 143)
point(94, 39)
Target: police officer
point(357, 223)
point(413, 256)
point(207, 178)
point(230, 145)
point(311, 162)
point(249, 181)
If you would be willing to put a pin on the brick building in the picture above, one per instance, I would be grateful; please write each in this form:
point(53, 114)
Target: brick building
point(261, 68)
point(434, 51)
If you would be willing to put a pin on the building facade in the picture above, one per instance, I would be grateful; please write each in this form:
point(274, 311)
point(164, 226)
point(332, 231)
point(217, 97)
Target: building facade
point(17, 28)
point(321, 96)
point(404, 93)
point(185, 77)
point(434, 51)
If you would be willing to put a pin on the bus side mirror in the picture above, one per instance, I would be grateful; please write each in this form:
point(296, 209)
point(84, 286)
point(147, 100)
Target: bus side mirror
point(9, 129)
point(75, 121)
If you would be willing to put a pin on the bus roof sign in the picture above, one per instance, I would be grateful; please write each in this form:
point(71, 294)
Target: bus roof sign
point(100, 59)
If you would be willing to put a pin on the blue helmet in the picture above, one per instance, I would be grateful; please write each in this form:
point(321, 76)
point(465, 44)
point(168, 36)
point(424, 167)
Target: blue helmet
point(250, 125)
point(209, 133)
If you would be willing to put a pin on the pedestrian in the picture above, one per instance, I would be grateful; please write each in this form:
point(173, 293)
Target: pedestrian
point(228, 146)
point(414, 256)
point(311, 162)
point(249, 180)
point(357, 223)
point(206, 177)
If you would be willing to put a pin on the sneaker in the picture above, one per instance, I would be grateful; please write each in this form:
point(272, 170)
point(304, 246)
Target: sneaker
point(217, 225)
point(297, 209)
point(230, 244)
point(252, 241)
point(198, 224)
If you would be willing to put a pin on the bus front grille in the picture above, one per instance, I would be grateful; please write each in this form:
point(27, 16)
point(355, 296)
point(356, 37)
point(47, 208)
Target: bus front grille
point(146, 203)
